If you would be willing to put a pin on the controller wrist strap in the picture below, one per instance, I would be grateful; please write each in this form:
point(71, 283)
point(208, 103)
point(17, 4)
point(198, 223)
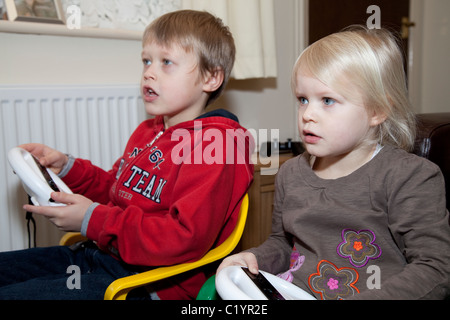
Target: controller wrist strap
point(30, 219)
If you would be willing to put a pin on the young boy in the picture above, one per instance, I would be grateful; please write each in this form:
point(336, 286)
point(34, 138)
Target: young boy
point(170, 198)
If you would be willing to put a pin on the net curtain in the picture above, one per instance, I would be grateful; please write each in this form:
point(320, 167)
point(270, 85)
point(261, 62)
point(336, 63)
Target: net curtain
point(253, 27)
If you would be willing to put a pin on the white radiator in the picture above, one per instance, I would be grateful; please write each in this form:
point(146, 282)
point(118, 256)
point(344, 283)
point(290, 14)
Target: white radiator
point(88, 122)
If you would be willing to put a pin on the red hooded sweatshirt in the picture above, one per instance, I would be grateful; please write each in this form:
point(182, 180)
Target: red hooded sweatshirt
point(173, 195)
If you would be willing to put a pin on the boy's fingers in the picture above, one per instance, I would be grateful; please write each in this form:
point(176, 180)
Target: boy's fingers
point(63, 197)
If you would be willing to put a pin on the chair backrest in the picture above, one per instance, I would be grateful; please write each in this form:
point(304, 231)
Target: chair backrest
point(433, 143)
point(120, 287)
point(233, 239)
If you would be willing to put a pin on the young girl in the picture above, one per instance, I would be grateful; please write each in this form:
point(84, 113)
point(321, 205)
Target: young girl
point(366, 219)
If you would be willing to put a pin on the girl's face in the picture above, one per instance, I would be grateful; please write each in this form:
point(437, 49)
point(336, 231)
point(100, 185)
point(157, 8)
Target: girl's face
point(171, 83)
point(332, 128)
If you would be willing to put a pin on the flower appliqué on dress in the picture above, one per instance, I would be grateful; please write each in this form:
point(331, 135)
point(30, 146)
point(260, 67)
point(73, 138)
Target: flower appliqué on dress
point(359, 247)
point(333, 283)
point(296, 262)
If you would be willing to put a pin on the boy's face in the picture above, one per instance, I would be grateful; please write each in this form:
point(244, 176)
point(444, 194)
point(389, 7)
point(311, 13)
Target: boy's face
point(331, 127)
point(171, 83)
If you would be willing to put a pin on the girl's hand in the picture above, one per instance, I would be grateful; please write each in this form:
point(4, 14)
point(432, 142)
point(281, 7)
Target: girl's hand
point(245, 259)
point(48, 157)
point(66, 218)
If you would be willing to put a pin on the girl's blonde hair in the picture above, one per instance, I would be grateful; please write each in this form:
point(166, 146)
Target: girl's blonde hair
point(371, 61)
point(201, 33)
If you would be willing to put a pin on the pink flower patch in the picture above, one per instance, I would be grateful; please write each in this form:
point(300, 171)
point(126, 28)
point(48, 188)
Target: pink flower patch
point(333, 283)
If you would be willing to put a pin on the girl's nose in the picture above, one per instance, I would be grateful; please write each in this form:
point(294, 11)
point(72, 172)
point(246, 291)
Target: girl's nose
point(309, 114)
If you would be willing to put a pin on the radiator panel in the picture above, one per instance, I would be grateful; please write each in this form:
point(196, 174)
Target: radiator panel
point(88, 122)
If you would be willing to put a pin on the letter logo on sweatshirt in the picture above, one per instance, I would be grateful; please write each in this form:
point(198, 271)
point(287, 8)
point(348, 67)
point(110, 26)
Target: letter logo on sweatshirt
point(156, 157)
point(145, 184)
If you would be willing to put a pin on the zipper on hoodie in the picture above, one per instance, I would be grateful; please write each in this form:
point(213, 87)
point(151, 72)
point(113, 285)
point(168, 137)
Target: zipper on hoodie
point(119, 172)
point(155, 138)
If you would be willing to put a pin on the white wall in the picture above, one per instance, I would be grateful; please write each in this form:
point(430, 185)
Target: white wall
point(434, 64)
point(40, 59)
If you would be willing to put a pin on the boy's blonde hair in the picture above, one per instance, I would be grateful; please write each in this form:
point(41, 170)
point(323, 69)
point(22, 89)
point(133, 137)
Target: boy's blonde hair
point(371, 61)
point(201, 33)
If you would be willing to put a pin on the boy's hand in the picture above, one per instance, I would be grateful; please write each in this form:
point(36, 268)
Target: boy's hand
point(66, 218)
point(48, 157)
point(245, 259)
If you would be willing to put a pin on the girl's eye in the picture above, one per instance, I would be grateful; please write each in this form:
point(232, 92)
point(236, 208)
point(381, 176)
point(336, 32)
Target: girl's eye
point(167, 62)
point(146, 62)
point(303, 100)
point(328, 101)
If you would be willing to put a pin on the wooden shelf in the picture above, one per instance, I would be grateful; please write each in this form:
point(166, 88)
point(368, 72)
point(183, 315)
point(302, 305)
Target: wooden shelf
point(62, 30)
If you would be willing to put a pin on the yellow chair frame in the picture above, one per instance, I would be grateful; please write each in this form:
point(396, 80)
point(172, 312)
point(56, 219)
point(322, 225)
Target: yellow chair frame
point(119, 289)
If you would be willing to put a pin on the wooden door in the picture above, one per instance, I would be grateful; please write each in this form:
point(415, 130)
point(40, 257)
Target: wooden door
point(329, 16)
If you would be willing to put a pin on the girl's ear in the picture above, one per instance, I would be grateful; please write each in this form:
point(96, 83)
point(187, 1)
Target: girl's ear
point(377, 118)
point(213, 80)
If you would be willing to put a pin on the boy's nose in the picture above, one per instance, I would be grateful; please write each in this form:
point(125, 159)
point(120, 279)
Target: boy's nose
point(149, 74)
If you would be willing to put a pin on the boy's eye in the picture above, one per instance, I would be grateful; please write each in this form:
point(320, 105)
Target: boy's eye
point(328, 101)
point(146, 62)
point(167, 62)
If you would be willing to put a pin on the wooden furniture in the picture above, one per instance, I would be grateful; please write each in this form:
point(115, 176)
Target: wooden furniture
point(259, 220)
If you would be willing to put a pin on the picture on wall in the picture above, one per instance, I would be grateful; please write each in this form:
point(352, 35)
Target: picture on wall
point(3, 15)
point(46, 11)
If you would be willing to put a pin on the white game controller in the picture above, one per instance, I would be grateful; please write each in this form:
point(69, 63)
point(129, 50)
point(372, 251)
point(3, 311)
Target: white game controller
point(237, 283)
point(38, 181)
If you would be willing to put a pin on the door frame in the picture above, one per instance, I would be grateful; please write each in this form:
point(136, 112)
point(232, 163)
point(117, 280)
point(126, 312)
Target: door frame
point(416, 9)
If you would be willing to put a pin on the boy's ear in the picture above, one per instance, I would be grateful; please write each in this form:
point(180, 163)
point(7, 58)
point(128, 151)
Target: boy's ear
point(213, 80)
